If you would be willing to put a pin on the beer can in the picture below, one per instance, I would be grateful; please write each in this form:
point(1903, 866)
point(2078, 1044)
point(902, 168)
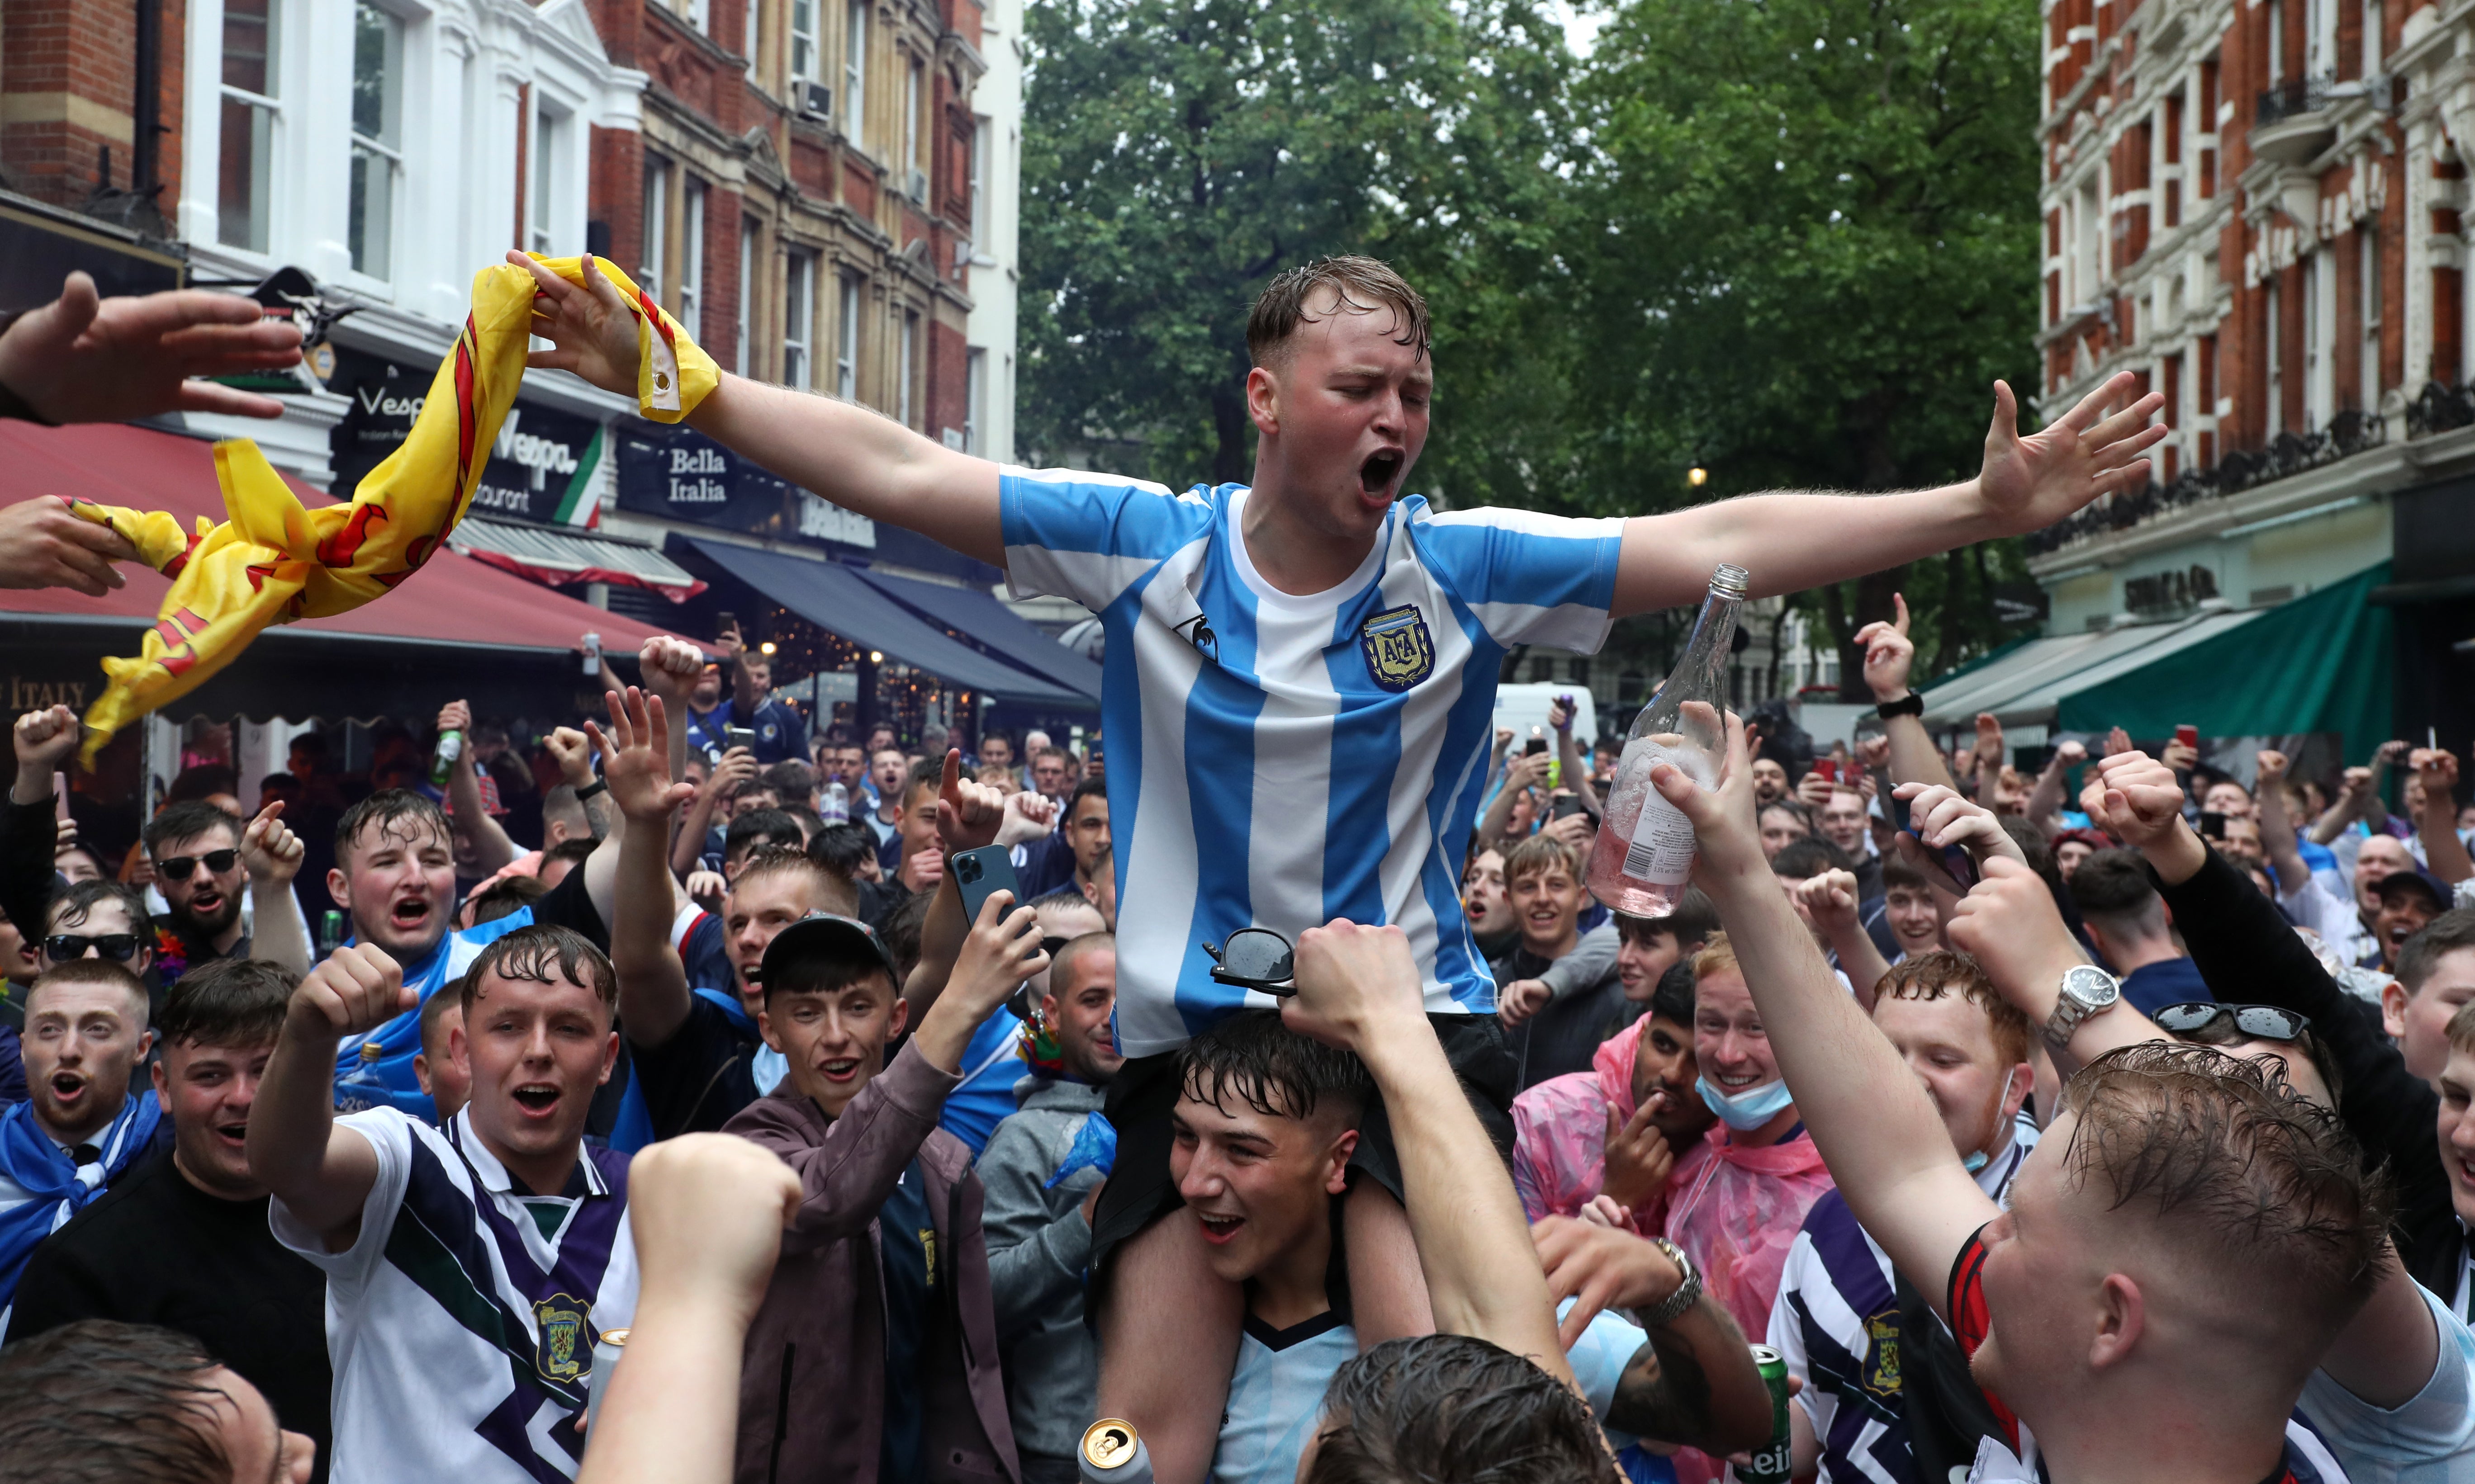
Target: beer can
point(605, 1361)
point(1775, 1462)
point(593, 654)
point(1113, 1454)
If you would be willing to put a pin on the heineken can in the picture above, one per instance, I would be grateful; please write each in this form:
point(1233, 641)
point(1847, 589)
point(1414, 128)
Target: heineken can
point(605, 1361)
point(1112, 1453)
point(1773, 1461)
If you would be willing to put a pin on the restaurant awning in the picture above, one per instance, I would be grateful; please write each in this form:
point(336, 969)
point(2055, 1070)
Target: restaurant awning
point(560, 558)
point(977, 613)
point(833, 597)
point(457, 622)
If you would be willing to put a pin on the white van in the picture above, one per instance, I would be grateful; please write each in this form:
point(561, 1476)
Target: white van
point(1522, 707)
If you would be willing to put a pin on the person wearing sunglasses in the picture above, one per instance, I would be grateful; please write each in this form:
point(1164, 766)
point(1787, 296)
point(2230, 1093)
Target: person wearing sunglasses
point(101, 919)
point(195, 847)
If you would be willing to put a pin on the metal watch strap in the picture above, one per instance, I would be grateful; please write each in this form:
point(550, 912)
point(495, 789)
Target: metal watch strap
point(1687, 1293)
point(2066, 1018)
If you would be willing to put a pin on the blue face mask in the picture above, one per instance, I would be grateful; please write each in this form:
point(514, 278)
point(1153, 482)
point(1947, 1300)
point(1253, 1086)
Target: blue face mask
point(1975, 1162)
point(1750, 1109)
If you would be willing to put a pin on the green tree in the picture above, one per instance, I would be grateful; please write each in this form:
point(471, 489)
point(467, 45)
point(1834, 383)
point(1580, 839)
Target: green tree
point(1809, 248)
point(1177, 155)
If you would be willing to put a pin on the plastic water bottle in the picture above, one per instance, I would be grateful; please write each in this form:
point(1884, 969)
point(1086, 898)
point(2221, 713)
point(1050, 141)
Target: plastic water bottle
point(1645, 850)
point(835, 807)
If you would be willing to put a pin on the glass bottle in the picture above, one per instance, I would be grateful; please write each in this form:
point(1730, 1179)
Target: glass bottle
point(1645, 850)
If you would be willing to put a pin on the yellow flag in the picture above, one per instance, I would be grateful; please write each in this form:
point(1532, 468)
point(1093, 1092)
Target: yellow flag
point(273, 561)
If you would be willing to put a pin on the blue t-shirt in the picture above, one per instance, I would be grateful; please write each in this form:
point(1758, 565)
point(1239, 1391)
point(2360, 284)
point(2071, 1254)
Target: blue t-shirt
point(1278, 761)
point(781, 733)
point(992, 1064)
point(2152, 986)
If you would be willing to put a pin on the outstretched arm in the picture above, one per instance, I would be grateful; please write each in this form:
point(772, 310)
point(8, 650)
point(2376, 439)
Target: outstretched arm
point(2276, 827)
point(865, 463)
point(1872, 1121)
point(1357, 989)
point(1792, 542)
point(84, 358)
point(2436, 822)
point(653, 998)
point(480, 835)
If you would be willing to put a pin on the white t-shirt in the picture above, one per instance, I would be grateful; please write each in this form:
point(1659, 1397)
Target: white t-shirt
point(1278, 761)
point(2428, 1440)
point(1276, 1395)
point(461, 1321)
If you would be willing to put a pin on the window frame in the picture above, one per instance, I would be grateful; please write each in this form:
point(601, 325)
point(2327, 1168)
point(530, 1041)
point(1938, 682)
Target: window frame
point(799, 312)
point(359, 146)
point(855, 72)
point(693, 197)
point(268, 104)
point(846, 346)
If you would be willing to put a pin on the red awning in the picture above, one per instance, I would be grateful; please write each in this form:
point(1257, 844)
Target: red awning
point(452, 600)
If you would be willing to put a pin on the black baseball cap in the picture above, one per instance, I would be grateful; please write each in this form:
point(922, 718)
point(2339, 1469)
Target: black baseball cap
point(2413, 882)
point(825, 937)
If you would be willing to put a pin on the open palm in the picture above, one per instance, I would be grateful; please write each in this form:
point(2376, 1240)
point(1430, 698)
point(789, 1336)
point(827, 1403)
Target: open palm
point(591, 330)
point(2031, 482)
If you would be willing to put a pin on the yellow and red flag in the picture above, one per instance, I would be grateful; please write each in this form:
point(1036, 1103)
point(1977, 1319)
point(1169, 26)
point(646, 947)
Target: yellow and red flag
point(273, 562)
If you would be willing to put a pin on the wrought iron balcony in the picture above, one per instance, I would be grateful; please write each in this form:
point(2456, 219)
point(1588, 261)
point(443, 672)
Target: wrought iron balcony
point(2349, 433)
point(2288, 100)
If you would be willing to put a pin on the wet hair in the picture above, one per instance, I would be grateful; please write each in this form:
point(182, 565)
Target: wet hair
point(1807, 858)
point(95, 971)
point(228, 1002)
point(843, 848)
point(789, 779)
point(1273, 1069)
point(1362, 285)
point(69, 908)
point(826, 891)
point(188, 821)
point(2113, 891)
point(772, 825)
point(1673, 999)
point(1693, 921)
point(1937, 975)
point(544, 953)
point(2239, 1172)
point(103, 1403)
point(506, 896)
point(1453, 1409)
point(398, 811)
point(2419, 956)
point(1540, 853)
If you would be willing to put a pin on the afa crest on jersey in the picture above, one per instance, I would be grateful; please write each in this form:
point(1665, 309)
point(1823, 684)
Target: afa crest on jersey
point(562, 1343)
point(1399, 650)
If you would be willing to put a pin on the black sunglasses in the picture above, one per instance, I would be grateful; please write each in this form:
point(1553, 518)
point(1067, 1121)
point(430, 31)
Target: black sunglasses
point(118, 947)
point(1256, 958)
point(2260, 1022)
point(179, 867)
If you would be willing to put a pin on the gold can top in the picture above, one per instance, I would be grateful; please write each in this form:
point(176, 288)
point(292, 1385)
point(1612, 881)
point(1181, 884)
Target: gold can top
point(1108, 1443)
point(615, 1337)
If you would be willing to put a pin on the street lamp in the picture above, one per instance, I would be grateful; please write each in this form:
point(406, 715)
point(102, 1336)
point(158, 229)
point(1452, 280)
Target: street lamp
point(1697, 477)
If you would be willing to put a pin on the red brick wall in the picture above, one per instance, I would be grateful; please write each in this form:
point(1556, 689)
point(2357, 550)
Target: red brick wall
point(616, 192)
point(86, 49)
point(948, 353)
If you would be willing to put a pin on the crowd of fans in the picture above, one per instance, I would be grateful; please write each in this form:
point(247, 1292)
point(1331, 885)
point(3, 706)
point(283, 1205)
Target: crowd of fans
point(714, 1138)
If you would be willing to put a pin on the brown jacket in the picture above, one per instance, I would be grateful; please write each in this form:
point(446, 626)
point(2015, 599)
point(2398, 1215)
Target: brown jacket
point(812, 1385)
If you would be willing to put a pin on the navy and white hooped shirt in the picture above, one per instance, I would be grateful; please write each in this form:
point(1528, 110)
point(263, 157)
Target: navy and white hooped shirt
point(461, 1321)
point(1278, 761)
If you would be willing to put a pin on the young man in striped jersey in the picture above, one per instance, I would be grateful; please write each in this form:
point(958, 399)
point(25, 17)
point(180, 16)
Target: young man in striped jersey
point(470, 1267)
point(1301, 681)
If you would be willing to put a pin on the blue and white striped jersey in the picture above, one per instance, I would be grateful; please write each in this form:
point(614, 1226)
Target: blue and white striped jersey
point(1279, 762)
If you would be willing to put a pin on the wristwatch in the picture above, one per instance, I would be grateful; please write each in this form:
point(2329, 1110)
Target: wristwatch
point(1688, 1289)
point(597, 786)
point(2085, 990)
point(1912, 704)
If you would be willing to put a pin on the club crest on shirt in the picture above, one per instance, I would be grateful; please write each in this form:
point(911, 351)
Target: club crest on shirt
point(1883, 1352)
point(1399, 650)
point(560, 1322)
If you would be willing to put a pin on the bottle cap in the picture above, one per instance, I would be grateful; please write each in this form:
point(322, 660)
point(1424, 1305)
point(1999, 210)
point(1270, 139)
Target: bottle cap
point(372, 1051)
point(1730, 580)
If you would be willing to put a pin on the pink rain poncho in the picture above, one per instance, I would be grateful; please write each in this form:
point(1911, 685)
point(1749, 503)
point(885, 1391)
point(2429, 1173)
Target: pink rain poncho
point(1561, 1137)
point(1735, 1216)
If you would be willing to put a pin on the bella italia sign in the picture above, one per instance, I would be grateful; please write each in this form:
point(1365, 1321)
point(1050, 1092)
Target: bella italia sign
point(680, 473)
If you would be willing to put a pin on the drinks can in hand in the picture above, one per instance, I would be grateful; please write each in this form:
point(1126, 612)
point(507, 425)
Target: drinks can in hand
point(592, 654)
point(1112, 1453)
point(605, 1360)
point(1775, 1462)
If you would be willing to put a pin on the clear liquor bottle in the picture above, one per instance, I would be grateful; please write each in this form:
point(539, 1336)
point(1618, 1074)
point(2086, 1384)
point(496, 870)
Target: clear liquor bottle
point(1645, 850)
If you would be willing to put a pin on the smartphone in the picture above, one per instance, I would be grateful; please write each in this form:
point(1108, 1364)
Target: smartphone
point(726, 622)
point(740, 737)
point(2212, 825)
point(980, 874)
point(1955, 860)
point(1827, 768)
point(2188, 736)
point(1566, 805)
point(1537, 745)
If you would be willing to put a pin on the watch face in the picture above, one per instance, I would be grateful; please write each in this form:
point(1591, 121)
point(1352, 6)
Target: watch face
point(2092, 986)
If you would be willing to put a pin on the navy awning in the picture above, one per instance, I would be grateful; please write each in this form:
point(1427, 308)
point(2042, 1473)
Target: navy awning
point(977, 613)
point(832, 597)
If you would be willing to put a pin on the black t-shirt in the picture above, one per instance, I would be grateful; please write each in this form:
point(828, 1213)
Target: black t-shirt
point(155, 1250)
point(907, 1241)
point(697, 1079)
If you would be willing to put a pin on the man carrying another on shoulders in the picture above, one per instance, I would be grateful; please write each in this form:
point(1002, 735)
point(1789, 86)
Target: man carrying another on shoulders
point(181, 1240)
point(470, 1269)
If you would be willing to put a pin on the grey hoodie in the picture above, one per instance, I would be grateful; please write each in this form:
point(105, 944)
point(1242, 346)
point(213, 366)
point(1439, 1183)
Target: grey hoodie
point(1038, 1245)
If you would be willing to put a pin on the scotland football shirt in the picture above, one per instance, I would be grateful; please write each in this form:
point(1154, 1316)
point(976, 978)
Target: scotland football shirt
point(1277, 760)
